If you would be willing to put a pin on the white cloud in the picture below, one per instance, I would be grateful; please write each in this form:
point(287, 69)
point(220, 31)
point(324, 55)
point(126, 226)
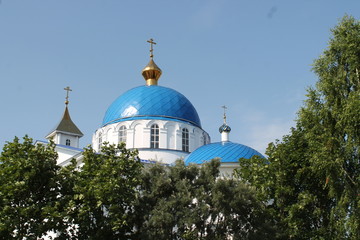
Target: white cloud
point(262, 133)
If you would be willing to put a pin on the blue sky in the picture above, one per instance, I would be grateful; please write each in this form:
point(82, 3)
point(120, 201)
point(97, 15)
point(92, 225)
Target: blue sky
point(252, 56)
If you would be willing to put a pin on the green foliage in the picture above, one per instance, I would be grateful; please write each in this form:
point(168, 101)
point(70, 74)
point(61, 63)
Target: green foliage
point(29, 190)
point(104, 191)
point(312, 180)
point(110, 196)
point(93, 201)
point(191, 202)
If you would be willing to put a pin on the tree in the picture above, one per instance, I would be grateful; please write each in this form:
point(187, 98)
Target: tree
point(108, 196)
point(29, 190)
point(192, 202)
point(312, 177)
point(91, 201)
point(104, 190)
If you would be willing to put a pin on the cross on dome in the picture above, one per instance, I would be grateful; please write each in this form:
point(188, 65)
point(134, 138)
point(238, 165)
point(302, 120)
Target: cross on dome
point(151, 41)
point(224, 107)
point(67, 89)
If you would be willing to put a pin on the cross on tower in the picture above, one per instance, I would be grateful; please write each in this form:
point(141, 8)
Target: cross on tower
point(224, 107)
point(151, 41)
point(67, 89)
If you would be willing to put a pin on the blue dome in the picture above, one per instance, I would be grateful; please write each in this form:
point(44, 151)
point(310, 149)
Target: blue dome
point(229, 152)
point(151, 102)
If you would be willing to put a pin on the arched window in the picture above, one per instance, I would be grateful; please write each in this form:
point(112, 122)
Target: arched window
point(154, 136)
point(185, 140)
point(100, 141)
point(122, 134)
point(67, 142)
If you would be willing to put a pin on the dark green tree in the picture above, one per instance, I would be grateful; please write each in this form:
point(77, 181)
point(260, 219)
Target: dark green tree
point(104, 190)
point(191, 202)
point(312, 177)
point(29, 190)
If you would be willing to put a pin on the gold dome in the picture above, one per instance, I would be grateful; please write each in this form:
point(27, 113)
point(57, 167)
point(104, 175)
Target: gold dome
point(151, 72)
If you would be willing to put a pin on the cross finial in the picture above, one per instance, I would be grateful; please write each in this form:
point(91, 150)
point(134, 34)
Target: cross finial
point(151, 41)
point(67, 89)
point(224, 107)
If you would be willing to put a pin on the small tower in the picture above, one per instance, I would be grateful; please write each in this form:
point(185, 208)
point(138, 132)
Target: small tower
point(66, 132)
point(151, 72)
point(224, 129)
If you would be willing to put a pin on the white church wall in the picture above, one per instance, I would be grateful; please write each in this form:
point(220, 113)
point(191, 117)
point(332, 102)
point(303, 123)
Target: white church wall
point(171, 137)
point(192, 140)
point(130, 138)
point(109, 135)
point(138, 134)
point(164, 156)
point(65, 154)
point(64, 138)
point(227, 169)
point(198, 138)
point(141, 135)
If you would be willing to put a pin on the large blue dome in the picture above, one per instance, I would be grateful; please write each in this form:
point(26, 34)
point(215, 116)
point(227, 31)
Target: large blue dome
point(151, 102)
point(228, 152)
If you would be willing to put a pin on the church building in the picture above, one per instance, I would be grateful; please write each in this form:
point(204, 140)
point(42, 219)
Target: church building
point(158, 121)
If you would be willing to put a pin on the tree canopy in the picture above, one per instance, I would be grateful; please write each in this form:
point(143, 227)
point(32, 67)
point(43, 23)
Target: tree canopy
point(191, 202)
point(110, 195)
point(103, 193)
point(312, 177)
point(29, 190)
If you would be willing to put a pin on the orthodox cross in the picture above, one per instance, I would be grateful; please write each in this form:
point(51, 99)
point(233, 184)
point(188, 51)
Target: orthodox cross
point(224, 107)
point(151, 41)
point(67, 89)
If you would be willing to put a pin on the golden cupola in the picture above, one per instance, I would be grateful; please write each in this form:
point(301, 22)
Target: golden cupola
point(151, 72)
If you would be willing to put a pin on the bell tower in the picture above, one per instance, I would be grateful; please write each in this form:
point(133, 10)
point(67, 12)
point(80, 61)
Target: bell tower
point(66, 132)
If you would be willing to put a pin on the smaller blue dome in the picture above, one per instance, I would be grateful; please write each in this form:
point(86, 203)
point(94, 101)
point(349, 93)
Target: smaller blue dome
point(224, 128)
point(228, 152)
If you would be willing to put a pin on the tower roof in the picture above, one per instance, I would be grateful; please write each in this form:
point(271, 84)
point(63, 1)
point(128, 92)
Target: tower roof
point(67, 125)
